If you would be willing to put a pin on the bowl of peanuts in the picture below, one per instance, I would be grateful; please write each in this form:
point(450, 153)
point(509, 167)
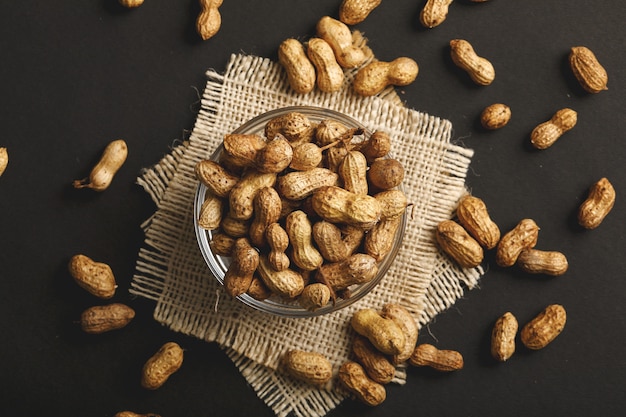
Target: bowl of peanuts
point(300, 211)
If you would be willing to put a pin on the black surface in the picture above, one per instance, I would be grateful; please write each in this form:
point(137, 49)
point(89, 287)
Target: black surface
point(78, 74)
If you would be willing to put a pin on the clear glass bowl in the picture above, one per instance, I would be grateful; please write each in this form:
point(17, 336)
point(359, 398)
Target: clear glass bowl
point(219, 264)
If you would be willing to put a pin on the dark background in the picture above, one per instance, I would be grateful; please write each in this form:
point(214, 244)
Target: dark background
point(77, 74)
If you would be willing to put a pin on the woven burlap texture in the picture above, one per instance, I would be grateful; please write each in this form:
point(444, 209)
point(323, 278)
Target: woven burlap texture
point(170, 268)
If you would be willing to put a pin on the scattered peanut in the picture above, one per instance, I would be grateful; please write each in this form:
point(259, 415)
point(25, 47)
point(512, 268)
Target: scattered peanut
point(384, 333)
point(523, 236)
point(110, 162)
point(403, 318)
point(95, 277)
point(597, 205)
point(503, 337)
point(353, 377)
point(100, 319)
point(434, 12)
point(352, 12)
point(300, 70)
point(157, 370)
point(329, 74)
point(209, 20)
point(338, 36)
point(375, 364)
point(588, 71)
point(4, 160)
point(440, 360)
point(310, 367)
point(376, 76)
point(473, 216)
point(544, 328)
point(495, 116)
point(131, 3)
point(458, 244)
point(545, 134)
point(480, 70)
point(536, 261)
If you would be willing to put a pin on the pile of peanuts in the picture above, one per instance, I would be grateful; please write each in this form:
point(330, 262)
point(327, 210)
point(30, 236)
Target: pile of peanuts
point(304, 212)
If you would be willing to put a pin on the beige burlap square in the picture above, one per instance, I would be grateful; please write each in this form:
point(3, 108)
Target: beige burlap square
point(171, 271)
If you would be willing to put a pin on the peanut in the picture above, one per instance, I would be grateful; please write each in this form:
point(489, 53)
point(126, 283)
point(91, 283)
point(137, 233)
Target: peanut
point(217, 179)
point(393, 203)
point(209, 20)
point(480, 70)
point(328, 73)
point(379, 240)
point(258, 290)
point(314, 296)
point(352, 12)
point(165, 362)
point(544, 328)
point(310, 367)
point(298, 185)
point(242, 149)
point(308, 156)
point(103, 172)
point(239, 274)
point(4, 160)
point(536, 261)
point(300, 232)
point(95, 277)
point(330, 131)
point(133, 414)
point(458, 244)
point(222, 244)
point(210, 216)
point(336, 205)
point(376, 76)
point(294, 126)
point(131, 3)
point(278, 241)
point(545, 134)
point(434, 13)
point(334, 157)
point(353, 173)
point(241, 197)
point(384, 333)
point(474, 217)
point(440, 360)
point(376, 146)
point(100, 319)
point(523, 236)
point(275, 156)
point(353, 377)
point(385, 174)
point(285, 283)
point(597, 205)
point(234, 227)
point(356, 269)
point(403, 318)
point(352, 237)
point(503, 337)
point(267, 208)
point(300, 70)
point(495, 116)
point(328, 239)
point(375, 364)
point(338, 36)
point(588, 71)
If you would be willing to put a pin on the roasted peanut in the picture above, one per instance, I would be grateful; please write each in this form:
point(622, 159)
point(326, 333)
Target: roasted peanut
point(241, 197)
point(222, 244)
point(308, 156)
point(338, 36)
point(597, 205)
point(258, 290)
point(353, 172)
point(133, 414)
point(165, 362)
point(217, 179)
point(352, 237)
point(536, 261)
point(495, 116)
point(314, 296)
point(545, 134)
point(352, 376)
point(328, 73)
point(131, 3)
point(275, 156)
point(440, 360)
point(267, 208)
point(209, 20)
point(336, 205)
point(278, 241)
point(385, 174)
point(403, 318)
point(474, 217)
point(100, 319)
point(234, 227)
point(590, 74)
point(242, 148)
point(239, 274)
point(480, 70)
point(434, 13)
point(300, 232)
point(375, 364)
point(352, 12)
point(393, 203)
point(503, 337)
point(285, 283)
point(330, 131)
point(376, 146)
point(103, 172)
point(458, 244)
point(376, 76)
point(356, 269)
point(334, 157)
point(210, 216)
point(300, 70)
point(384, 333)
point(298, 185)
point(380, 239)
point(544, 328)
point(4, 160)
point(296, 127)
point(310, 367)
point(95, 277)
point(523, 236)
point(328, 239)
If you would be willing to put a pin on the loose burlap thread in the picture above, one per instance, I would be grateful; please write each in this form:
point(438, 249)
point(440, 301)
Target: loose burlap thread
point(171, 271)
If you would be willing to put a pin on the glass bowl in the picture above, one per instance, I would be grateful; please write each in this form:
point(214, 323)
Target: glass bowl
point(219, 264)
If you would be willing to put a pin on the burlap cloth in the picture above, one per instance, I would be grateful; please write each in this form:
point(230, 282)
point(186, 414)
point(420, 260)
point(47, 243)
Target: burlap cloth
point(171, 271)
